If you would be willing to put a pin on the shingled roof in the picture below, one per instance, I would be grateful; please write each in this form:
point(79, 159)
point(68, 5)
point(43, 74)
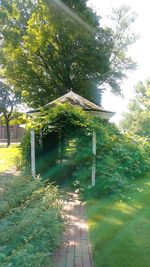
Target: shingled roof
point(77, 100)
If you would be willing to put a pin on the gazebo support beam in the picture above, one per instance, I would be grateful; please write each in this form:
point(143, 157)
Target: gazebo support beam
point(94, 158)
point(33, 154)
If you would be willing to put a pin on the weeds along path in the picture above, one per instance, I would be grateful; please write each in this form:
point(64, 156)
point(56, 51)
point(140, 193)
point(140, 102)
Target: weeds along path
point(74, 249)
point(6, 177)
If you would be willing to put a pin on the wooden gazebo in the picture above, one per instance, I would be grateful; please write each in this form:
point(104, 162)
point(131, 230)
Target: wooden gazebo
point(79, 101)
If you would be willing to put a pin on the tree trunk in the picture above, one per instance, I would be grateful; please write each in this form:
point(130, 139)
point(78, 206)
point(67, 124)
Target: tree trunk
point(7, 132)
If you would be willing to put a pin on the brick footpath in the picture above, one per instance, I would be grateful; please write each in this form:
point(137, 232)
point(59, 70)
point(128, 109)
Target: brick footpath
point(74, 249)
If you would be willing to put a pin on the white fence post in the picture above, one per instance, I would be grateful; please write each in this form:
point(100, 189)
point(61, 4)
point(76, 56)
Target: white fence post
point(33, 154)
point(94, 158)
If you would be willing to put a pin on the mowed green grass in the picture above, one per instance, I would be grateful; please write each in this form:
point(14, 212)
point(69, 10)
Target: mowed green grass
point(120, 229)
point(7, 156)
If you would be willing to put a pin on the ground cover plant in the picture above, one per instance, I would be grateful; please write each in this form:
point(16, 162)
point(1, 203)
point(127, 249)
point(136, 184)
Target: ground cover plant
point(119, 228)
point(30, 222)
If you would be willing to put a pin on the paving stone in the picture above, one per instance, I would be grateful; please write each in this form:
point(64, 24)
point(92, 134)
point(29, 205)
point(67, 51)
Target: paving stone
point(70, 260)
point(74, 250)
point(78, 262)
point(61, 262)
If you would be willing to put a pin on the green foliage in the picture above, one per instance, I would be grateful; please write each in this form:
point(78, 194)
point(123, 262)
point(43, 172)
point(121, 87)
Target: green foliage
point(30, 222)
point(18, 162)
point(57, 126)
point(16, 118)
point(121, 20)
point(120, 160)
point(63, 118)
point(26, 152)
point(26, 148)
point(50, 47)
point(137, 119)
point(8, 100)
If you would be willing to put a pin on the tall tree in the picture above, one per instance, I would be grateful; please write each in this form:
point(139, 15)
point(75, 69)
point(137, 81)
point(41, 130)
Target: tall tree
point(137, 119)
point(8, 101)
point(51, 46)
point(121, 20)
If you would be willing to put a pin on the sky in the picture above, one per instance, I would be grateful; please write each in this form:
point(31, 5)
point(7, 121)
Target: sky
point(140, 51)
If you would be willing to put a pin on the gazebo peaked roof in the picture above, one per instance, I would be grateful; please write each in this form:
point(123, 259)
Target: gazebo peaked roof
point(77, 100)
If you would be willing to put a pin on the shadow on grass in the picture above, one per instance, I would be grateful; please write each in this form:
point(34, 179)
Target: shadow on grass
point(120, 229)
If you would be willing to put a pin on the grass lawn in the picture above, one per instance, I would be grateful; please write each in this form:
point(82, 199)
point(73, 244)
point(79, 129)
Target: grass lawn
point(120, 229)
point(7, 156)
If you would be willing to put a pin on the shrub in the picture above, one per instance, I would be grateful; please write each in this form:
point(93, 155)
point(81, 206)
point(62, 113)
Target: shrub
point(30, 223)
point(120, 160)
point(26, 148)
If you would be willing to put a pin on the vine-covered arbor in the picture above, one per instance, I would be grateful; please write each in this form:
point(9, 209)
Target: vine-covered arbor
point(73, 101)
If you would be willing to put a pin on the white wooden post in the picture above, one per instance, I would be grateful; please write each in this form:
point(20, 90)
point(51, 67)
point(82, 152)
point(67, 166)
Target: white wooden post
point(33, 154)
point(94, 158)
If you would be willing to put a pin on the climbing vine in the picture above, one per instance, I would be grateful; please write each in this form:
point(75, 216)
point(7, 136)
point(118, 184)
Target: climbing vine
point(120, 158)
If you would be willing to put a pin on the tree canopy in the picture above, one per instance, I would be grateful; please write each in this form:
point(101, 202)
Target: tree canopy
point(50, 47)
point(137, 119)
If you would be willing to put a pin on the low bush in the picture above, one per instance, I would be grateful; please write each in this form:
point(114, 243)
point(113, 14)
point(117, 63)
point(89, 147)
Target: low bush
point(120, 159)
point(31, 222)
